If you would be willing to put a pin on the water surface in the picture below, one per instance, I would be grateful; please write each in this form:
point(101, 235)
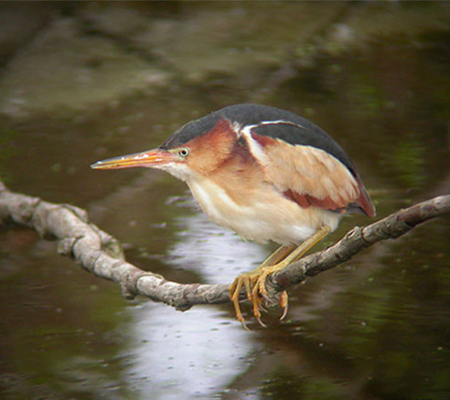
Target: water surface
point(376, 327)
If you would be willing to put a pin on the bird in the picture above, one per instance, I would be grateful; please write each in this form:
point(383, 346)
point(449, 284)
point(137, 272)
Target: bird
point(268, 174)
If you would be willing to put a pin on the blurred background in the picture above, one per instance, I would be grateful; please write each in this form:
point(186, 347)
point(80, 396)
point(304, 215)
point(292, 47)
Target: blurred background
point(83, 81)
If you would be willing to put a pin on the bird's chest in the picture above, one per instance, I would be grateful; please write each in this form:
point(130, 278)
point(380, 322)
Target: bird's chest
point(215, 201)
point(259, 214)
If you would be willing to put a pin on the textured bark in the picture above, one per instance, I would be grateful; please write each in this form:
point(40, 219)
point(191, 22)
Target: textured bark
point(101, 254)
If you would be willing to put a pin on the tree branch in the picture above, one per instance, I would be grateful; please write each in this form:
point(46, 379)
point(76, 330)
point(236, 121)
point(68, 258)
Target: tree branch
point(357, 239)
point(101, 254)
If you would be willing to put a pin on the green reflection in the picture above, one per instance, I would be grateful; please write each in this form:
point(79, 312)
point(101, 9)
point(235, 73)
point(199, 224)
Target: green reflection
point(7, 151)
point(409, 161)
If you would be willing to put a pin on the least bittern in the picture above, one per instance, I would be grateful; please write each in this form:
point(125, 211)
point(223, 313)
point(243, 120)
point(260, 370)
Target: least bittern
point(267, 174)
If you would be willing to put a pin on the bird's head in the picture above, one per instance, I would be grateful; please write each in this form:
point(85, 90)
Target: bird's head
point(197, 148)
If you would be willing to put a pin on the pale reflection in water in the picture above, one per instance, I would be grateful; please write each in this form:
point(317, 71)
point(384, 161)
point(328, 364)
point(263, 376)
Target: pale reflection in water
point(200, 352)
point(217, 254)
point(186, 355)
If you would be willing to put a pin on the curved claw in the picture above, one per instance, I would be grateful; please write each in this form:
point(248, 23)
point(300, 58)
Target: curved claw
point(257, 307)
point(284, 304)
point(260, 322)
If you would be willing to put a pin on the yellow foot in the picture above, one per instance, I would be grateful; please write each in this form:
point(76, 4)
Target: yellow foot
point(255, 288)
point(255, 281)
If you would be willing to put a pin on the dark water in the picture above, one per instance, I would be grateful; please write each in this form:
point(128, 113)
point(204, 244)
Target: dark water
point(377, 327)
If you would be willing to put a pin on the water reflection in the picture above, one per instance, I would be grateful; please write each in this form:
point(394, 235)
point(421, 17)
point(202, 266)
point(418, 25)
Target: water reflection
point(217, 254)
point(185, 355)
point(200, 352)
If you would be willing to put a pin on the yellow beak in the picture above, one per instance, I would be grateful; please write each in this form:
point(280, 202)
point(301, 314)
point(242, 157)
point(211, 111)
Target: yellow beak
point(148, 159)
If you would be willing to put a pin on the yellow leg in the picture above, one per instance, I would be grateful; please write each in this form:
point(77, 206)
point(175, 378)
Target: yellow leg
point(254, 281)
point(260, 285)
point(277, 256)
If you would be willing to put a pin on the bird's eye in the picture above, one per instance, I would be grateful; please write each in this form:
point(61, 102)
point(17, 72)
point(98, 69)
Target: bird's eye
point(183, 152)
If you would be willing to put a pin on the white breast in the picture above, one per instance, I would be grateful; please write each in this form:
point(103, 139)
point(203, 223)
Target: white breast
point(267, 216)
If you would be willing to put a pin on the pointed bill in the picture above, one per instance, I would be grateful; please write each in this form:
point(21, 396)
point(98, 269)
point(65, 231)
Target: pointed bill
point(149, 159)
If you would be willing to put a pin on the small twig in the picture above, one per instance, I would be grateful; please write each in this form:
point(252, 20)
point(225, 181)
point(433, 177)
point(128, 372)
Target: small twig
point(101, 254)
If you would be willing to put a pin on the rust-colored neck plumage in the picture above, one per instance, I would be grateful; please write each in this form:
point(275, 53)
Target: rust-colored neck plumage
point(212, 150)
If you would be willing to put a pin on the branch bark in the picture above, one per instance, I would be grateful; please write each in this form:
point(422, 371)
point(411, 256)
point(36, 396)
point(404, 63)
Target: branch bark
point(101, 254)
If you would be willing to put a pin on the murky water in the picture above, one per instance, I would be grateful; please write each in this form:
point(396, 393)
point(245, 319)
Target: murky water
point(377, 327)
